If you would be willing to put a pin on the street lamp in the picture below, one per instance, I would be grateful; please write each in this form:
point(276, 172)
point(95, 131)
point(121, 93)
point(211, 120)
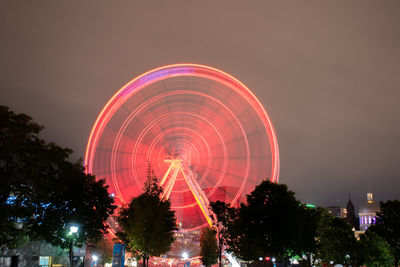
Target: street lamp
point(94, 260)
point(185, 257)
point(73, 230)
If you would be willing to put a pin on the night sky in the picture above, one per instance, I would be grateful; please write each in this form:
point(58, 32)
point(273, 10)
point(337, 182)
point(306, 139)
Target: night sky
point(327, 72)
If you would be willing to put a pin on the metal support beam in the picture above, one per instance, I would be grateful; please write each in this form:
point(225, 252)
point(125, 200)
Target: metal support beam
point(190, 178)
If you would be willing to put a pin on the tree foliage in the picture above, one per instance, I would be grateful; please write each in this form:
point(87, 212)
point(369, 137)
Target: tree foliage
point(309, 224)
point(208, 246)
point(273, 223)
point(335, 239)
point(270, 219)
point(228, 219)
point(104, 248)
point(148, 223)
point(78, 199)
point(42, 192)
point(373, 250)
point(387, 226)
point(266, 226)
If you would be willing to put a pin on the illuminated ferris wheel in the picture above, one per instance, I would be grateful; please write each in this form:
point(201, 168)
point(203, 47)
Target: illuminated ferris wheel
point(205, 133)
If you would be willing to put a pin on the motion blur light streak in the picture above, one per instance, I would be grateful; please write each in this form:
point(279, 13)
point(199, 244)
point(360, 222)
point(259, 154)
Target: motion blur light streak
point(205, 133)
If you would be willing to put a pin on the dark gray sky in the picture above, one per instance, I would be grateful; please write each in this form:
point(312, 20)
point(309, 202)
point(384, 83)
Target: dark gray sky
point(327, 72)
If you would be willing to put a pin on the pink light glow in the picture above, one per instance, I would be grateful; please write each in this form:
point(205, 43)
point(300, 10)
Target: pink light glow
point(202, 115)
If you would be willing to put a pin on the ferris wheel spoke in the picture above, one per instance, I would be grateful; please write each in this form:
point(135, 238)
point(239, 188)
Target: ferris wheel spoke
point(228, 195)
point(202, 117)
point(239, 177)
point(239, 157)
point(111, 128)
point(234, 119)
point(99, 174)
point(155, 118)
point(240, 138)
point(171, 118)
point(109, 150)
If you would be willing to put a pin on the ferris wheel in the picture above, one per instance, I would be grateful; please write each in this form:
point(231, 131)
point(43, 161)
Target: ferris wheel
point(205, 133)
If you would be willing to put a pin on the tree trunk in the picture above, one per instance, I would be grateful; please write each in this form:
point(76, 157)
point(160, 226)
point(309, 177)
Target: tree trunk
point(220, 256)
point(286, 261)
point(309, 260)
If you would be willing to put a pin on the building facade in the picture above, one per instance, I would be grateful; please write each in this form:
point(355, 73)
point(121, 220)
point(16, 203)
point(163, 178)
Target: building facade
point(39, 254)
point(367, 212)
point(338, 212)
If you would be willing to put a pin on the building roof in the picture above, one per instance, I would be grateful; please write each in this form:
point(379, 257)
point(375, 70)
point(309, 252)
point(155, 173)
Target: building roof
point(369, 206)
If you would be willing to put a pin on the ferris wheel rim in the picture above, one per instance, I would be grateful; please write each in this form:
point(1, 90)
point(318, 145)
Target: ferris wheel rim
point(266, 120)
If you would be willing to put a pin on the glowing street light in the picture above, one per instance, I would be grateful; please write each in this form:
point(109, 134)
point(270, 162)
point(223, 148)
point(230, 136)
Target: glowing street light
point(73, 229)
point(185, 257)
point(94, 260)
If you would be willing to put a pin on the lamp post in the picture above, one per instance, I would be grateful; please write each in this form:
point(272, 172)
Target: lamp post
point(185, 257)
point(73, 230)
point(94, 260)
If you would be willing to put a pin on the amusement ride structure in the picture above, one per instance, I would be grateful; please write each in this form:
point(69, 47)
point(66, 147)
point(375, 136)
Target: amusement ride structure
point(205, 133)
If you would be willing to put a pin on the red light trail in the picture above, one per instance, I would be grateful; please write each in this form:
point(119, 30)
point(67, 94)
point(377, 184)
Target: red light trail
point(206, 134)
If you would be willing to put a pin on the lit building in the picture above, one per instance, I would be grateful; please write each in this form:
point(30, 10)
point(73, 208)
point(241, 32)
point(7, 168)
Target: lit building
point(338, 212)
point(39, 253)
point(367, 212)
point(185, 242)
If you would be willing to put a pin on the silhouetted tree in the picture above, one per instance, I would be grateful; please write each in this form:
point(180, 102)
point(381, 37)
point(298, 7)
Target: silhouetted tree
point(228, 227)
point(270, 220)
point(373, 250)
point(42, 192)
point(148, 223)
point(266, 226)
point(387, 226)
point(307, 243)
point(335, 239)
point(18, 144)
point(208, 246)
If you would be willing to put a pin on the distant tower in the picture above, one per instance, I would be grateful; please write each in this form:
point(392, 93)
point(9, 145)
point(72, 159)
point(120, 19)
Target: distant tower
point(351, 216)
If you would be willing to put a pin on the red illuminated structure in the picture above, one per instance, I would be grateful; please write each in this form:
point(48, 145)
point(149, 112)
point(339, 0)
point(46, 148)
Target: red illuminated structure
point(205, 133)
